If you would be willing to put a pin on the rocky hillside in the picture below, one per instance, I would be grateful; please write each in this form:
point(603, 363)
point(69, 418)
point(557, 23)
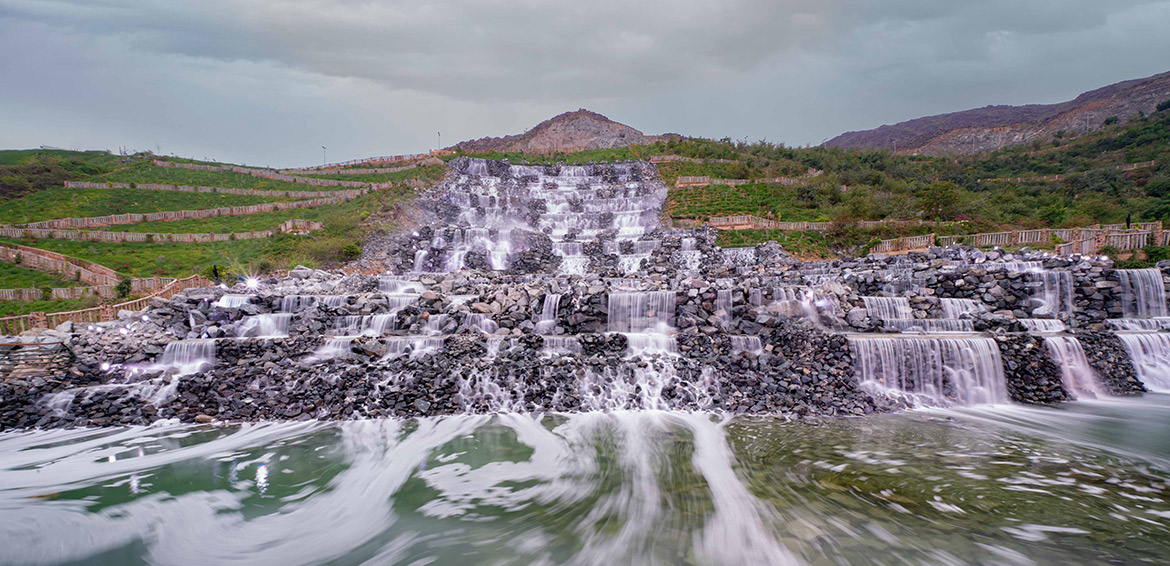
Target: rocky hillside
point(995, 127)
point(568, 132)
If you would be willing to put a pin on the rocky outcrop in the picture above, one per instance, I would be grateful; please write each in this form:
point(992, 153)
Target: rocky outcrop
point(994, 127)
point(1110, 361)
point(1032, 376)
point(568, 132)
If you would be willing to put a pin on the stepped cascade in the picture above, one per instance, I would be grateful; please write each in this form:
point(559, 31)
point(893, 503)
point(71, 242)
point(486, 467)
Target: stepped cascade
point(526, 288)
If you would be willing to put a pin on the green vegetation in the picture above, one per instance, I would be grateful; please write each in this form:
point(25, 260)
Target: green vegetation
point(789, 204)
point(426, 172)
point(343, 226)
point(264, 220)
point(61, 202)
point(14, 308)
point(17, 277)
point(147, 172)
point(27, 171)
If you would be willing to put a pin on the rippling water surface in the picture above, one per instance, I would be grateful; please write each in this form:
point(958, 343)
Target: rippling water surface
point(1086, 483)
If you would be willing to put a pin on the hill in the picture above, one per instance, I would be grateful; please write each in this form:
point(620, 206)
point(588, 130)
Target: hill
point(996, 127)
point(569, 132)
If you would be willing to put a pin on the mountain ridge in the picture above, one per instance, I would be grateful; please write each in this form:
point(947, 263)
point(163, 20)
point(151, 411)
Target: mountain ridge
point(994, 127)
point(578, 130)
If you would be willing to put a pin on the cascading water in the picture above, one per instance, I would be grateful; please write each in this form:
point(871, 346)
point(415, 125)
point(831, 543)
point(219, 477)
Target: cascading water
point(265, 325)
point(646, 318)
point(1043, 324)
point(723, 306)
point(1139, 324)
point(571, 205)
point(1052, 289)
point(548, 314)
point(895, 314)
point(232, 301)
point(937, 371)
point(1143, 293)
point(1076, 373)
point(1150, 354)
point(955, 308)
point(184, 357)
point(887, 308)
point(297, 303)
point(746, 344)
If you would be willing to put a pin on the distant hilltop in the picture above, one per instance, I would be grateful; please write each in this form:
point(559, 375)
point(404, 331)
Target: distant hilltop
point(572, 131)
point(995, 127)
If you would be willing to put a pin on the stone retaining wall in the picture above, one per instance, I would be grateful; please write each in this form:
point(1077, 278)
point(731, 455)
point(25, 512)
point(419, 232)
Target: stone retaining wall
point(274, 175)
point(350, 193)
point(133, 218)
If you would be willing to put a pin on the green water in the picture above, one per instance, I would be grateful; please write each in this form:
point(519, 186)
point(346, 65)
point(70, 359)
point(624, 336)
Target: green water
point(1085, 483)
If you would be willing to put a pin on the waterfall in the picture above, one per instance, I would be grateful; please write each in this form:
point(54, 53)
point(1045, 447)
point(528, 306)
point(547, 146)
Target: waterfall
point(739, 257)
point(1053, 290)
point(548, 314)
point(1150, 354)
point(265, 325)
point(435, 324)
point(414, 346)
point(954, 308)
point(399, 286)
point(296, 303)
point(641, 312)
point(368, 325)
point(1143, 294)
point(562, 345)
point(420, 261)
point(232, 301)
point(482, 322)
point(1043, 324)
point(1056, 291)
point(746, 344)
point(938, 371)
point(723, 306)
point(888, 307)
point(335, 347)
point(184, 357)
point(895, 314)
point(646, 318)
point(1139, 324)
point(1075, 372)
point(477, 167)
point(929, 325)
point(797, 302)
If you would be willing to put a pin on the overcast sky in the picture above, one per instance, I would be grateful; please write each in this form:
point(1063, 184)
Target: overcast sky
point(268, 82)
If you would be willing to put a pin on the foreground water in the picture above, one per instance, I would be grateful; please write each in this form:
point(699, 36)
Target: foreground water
point(1085, 483)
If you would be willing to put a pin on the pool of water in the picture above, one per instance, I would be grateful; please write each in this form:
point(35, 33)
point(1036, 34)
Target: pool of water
point(1084, 483)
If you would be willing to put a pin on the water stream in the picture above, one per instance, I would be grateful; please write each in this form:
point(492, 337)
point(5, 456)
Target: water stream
point(1084, 483)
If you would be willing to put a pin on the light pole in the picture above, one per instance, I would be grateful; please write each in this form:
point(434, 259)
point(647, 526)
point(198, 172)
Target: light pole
point(322, 156)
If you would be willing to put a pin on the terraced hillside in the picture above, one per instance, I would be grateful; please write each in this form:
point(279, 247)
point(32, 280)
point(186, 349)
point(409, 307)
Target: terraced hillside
point(98, 210)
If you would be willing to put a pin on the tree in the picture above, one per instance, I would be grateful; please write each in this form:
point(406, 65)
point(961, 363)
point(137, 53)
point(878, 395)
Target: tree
point(940, 200)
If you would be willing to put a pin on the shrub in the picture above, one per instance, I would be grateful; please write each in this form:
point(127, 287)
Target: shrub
point(1157, 253)
point(123, 288)
point(1111, 120)
point(1164, 105)
point(16, 259)
point(351, 252)
point(46, 294)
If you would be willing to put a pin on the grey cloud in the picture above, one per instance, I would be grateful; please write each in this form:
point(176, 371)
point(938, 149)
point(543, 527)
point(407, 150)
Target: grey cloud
point(272, 80)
